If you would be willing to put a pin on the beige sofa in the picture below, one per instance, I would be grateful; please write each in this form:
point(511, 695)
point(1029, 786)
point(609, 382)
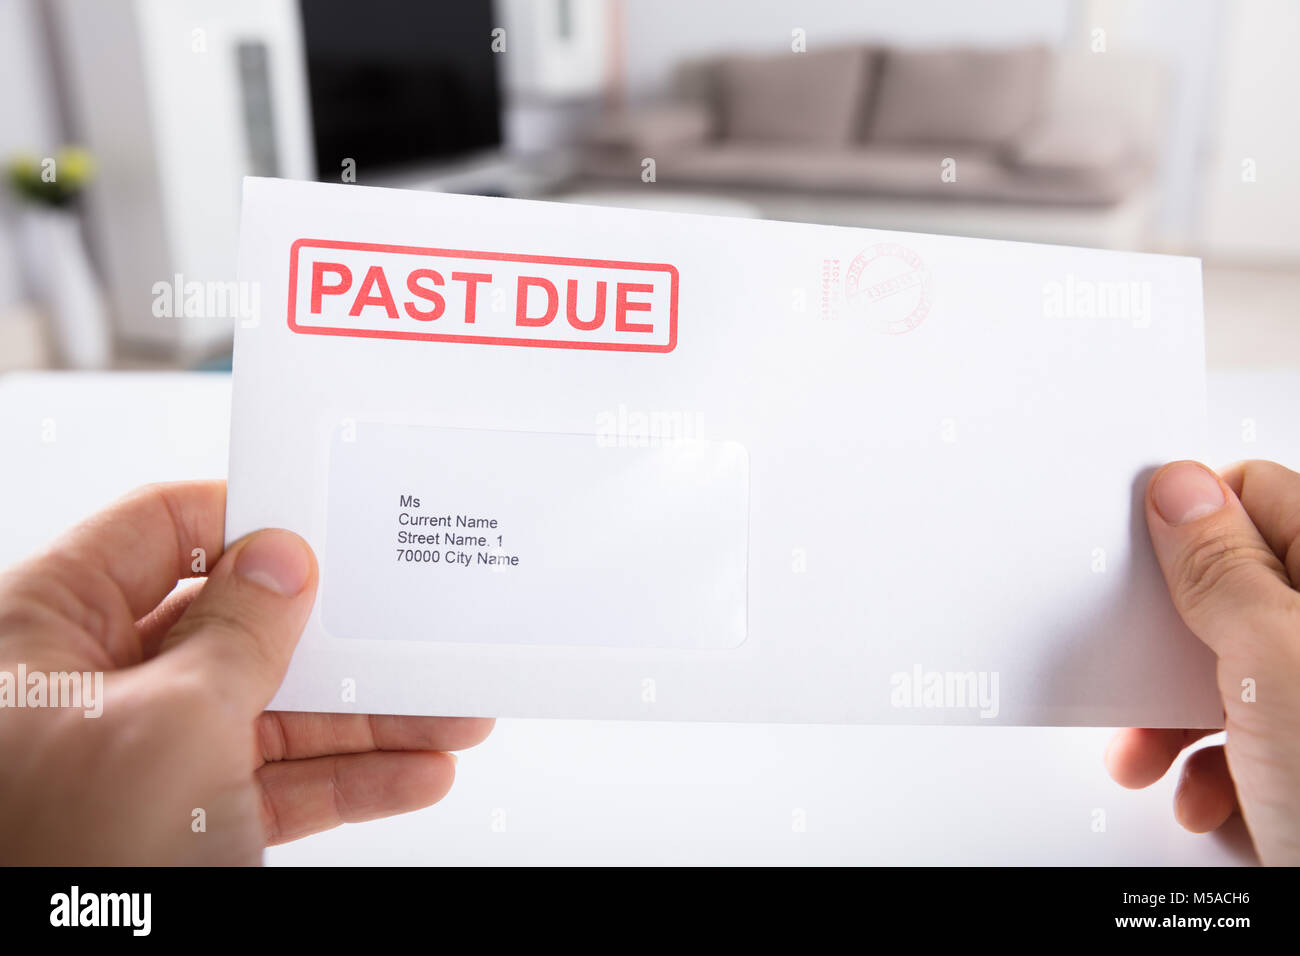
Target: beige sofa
point(1022, 142)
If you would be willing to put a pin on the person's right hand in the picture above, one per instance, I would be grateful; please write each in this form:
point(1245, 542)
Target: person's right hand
point(1230, 551)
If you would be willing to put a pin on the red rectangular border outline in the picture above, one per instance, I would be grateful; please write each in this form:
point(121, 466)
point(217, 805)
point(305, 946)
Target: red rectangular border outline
point(479, 339)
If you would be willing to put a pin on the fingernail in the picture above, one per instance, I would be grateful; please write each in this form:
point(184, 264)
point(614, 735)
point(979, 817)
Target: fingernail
point(275, 560)
point(1186, 491)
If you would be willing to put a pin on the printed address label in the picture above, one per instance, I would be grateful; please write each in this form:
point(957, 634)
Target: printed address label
point(445, 534)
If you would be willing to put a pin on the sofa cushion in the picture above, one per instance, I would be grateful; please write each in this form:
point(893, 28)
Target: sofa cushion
point(812, 98)
point(892, 171)
point(1078, 143)
point(653, 129)
point(973, 96)
point(879, 169)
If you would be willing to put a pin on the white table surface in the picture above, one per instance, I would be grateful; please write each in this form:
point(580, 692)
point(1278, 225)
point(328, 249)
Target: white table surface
point(594, 792)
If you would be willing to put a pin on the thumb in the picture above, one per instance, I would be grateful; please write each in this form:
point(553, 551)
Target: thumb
point(1226, 582)
point(247, 618)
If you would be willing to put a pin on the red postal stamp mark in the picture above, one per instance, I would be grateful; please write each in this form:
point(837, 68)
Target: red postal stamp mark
point(887, 284)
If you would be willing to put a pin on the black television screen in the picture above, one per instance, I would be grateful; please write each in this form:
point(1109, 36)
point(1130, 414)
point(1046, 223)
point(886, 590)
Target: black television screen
point(399, 82)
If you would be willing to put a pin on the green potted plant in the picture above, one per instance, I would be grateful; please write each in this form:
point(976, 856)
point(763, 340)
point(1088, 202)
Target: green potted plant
point(56, 268)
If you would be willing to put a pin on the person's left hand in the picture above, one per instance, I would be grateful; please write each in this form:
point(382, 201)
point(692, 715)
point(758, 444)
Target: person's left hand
point(185, 765)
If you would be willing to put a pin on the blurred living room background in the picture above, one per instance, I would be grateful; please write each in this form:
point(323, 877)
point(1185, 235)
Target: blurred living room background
point(126, 127)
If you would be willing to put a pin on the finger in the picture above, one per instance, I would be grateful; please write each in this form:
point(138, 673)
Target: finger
point(296, 736)
point(1137, 758)
point(114, 568)
point(242, 628)
point(1206, 796)
point(306, 796)
point(153, 627)
point(1270, 494)
point(1222, 575)
point(145, 542)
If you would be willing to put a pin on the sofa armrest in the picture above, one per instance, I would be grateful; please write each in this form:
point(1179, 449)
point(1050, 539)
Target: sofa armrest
point(648, 130)
point(1075, 144)
point(1103, 114)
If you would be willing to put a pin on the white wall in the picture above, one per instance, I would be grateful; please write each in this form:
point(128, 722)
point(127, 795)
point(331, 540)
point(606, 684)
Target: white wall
point(662, 32)
point(1184, 35)
point(29, 120)
point(28, 114)
point(1256, 118)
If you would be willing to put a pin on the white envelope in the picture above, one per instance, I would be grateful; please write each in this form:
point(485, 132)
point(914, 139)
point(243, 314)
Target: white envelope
point(569, 461)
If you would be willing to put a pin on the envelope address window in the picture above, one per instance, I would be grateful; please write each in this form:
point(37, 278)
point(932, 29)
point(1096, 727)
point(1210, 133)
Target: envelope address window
point(431, 530)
